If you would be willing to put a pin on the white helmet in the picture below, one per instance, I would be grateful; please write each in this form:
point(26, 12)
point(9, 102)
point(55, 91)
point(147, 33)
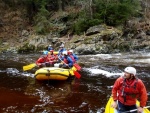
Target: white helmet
point(130, 70)
point(61, 46)
point(50, 45)
point(71, 51)
point(65, 52)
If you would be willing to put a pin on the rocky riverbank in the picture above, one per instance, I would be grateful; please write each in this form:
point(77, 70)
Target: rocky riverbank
point(97, 39)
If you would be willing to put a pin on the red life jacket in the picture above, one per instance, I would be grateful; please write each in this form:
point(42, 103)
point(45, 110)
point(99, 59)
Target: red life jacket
point(51, 57)
point(42, 59)
point(128, 90)
point(72, 57)
point(65, 60)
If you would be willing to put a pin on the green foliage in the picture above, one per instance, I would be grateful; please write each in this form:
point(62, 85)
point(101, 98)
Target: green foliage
point(26, 48)
point(43, 27)
point(14, 3)
point(111, 12)
point(42, 23)
point(93, 22)
point(115, 12)
point(80, 26)
point(83, 24)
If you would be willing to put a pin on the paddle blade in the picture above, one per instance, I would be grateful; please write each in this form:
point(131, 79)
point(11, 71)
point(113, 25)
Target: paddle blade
point(28, 67)
point(77, 66)
point(74, 69)
point(77, 74)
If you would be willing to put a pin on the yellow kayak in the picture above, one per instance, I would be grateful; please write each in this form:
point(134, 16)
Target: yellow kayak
point(46, 52)
point(53, 73)
point(55, 52)
point(109, 109)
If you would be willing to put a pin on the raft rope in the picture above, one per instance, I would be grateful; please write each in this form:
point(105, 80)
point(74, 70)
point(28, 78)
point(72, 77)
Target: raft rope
point(48, 75)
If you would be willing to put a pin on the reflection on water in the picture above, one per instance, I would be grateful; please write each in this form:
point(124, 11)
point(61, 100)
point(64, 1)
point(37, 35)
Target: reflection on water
point(20, 92)
point(11, 99)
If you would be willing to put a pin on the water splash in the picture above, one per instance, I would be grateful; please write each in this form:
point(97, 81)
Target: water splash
point(102, 72)
point(27, 74)
point(12, 71)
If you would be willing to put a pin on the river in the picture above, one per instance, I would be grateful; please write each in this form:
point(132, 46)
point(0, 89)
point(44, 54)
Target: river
point(21, 93)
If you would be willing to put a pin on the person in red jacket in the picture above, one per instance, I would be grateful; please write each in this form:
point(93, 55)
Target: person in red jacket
point(42, 61)
point(46, 60)
point(126, 90)
point(52, 58)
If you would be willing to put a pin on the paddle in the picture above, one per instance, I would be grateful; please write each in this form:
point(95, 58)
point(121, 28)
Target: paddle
point(130, 111)
point(28, 67)
point(75, 72)
point(77, 66)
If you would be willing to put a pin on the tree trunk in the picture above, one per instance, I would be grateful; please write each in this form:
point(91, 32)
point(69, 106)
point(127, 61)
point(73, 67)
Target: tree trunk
point(60, 5)
point(91, 11)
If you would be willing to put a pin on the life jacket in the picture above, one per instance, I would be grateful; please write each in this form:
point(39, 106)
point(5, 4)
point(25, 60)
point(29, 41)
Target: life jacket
point(42, 59)
point(72, 57)
point(65, 60)
point(129, 90)
point(60, 56)
point(51, 57)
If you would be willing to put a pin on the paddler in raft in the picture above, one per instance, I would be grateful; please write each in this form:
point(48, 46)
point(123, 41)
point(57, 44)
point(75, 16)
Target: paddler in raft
point(66, 61)
point(72, 56)
point(47, 60)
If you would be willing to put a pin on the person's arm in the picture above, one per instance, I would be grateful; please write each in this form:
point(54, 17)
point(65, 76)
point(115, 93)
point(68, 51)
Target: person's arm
point(114, 104)
point(115, 88)
point(114, 92)
point(70, 62)
point(75, 57)
point(143, 94)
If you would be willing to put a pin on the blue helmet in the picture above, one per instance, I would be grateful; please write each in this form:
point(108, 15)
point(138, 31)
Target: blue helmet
point(45, 52)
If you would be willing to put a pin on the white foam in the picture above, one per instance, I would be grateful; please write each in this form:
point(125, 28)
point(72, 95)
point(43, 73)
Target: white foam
point(129, 58)
point(27, 74)
point(102, 72)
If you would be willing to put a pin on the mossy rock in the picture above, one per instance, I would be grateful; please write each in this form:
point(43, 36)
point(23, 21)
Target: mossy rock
point(26, 48)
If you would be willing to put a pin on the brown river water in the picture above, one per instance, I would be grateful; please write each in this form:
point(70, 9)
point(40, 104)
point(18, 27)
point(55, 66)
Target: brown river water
point(21, 93)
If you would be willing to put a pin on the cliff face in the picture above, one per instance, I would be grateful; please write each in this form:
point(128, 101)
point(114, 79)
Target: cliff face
point(12, 22)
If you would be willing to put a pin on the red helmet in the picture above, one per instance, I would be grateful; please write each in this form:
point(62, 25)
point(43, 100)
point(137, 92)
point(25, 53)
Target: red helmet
point(68, 52)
